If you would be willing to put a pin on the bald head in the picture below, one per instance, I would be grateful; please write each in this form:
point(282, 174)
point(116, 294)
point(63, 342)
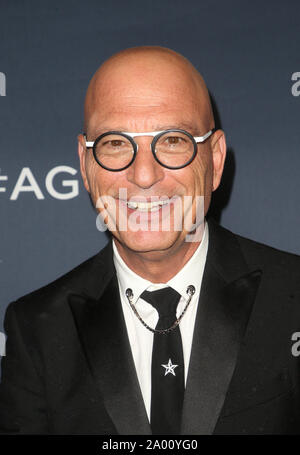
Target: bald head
point(144, 80)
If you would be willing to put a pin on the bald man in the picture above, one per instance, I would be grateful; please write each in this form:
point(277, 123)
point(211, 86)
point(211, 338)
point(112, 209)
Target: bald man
point(177, 326)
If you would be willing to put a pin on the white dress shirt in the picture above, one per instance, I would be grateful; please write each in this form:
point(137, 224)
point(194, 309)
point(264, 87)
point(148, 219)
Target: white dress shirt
point(141, 338)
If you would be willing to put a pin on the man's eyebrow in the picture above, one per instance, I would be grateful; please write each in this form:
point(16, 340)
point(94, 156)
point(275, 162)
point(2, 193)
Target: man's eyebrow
point(182, 126)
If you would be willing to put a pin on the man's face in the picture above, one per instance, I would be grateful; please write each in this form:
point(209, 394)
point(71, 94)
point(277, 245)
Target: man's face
point(142, 99)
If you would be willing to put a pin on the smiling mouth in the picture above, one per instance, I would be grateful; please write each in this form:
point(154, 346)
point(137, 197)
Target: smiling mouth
point(147, 206)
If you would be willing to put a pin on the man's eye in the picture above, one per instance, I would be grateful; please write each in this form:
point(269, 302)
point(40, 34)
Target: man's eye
point(113, 143)
point(116, 143)
point(173, 140)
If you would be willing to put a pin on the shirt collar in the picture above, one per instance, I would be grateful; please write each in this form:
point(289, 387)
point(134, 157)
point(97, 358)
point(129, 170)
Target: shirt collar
point(191, 273)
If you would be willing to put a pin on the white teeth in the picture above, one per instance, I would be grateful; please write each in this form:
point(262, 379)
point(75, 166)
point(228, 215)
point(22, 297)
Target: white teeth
point(132, 205)
point(147, 206)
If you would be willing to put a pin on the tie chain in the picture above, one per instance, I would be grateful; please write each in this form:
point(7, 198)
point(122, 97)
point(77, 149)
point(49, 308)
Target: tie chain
point(190, 291)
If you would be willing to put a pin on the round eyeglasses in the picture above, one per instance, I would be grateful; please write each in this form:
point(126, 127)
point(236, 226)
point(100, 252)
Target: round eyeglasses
point(173, 149)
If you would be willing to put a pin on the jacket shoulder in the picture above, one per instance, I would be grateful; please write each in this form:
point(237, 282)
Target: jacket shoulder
point(280, 266)
point(267, 254)
point(250, 246)
point(79, 280)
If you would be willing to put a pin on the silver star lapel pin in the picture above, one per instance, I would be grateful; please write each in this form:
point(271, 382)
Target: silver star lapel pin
point(169, 368)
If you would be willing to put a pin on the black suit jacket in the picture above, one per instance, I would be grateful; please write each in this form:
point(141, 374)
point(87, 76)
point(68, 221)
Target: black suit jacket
point(69, 368)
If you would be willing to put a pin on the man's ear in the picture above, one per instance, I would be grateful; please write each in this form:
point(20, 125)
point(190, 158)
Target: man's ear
point(218, 145)
point(82, 159)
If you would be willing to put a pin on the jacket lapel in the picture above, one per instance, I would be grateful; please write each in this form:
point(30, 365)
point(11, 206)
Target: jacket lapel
point(103, 334)
point(227, 295)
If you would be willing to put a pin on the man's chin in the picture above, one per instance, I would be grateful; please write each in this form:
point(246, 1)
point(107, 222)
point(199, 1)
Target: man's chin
point(142, 241)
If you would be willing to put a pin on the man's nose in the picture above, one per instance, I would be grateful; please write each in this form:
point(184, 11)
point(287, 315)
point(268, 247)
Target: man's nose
point(145, 171)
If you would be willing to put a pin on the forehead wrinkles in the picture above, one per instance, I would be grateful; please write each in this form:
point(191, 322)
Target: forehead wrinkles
point(143, 91)
point(140, 109)
point(121, 102)
point(116, 104)
point(138, 118)
point(144, 101)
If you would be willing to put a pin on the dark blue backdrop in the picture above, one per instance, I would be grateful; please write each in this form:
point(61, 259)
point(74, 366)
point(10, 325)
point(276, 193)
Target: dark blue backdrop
point(249, 54)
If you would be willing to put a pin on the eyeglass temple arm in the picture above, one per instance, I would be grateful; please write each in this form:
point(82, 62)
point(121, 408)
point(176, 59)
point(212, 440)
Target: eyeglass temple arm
point(87, 143)
point(206, 136)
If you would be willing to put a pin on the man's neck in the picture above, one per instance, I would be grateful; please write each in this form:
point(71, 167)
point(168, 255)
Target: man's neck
point(157, 266)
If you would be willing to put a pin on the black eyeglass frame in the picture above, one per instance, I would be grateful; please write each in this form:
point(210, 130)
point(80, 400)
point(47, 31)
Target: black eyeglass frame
point(156, 135)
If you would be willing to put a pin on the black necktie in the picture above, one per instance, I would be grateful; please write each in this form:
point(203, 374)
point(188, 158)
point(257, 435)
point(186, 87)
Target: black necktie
point(167, 370)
